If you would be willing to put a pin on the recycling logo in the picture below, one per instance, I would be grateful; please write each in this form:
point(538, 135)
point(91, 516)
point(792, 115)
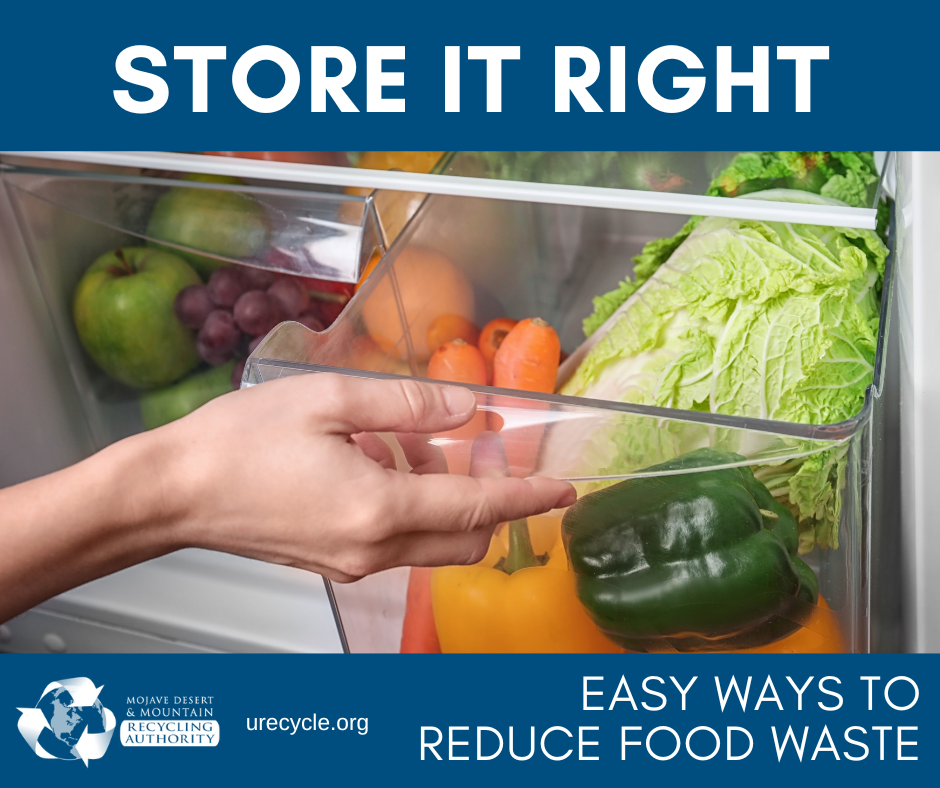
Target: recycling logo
point(68, 723)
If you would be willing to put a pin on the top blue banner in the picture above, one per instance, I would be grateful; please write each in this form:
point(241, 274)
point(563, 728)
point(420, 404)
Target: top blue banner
point(495, 76)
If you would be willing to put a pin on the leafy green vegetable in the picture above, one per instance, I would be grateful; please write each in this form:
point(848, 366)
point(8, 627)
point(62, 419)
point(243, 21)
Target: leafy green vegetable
point(845, 175)
point(849, 176)
point(645, 264)
point(770, 320)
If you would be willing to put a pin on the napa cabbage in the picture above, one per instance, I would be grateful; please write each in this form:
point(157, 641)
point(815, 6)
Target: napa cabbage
point(768, 320)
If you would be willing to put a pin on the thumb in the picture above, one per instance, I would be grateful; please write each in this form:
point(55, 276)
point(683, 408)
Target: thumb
point(349, 405)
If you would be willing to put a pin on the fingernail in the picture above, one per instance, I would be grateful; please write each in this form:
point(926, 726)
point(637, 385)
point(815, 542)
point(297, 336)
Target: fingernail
point(458, 400)
point(570, 496)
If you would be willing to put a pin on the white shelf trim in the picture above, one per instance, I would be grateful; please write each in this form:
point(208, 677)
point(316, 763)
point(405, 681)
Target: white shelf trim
point(556, 194)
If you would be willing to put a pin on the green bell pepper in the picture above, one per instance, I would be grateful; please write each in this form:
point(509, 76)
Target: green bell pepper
point(705, 560)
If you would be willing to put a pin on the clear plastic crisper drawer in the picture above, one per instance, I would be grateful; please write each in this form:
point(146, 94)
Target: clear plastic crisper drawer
point(324, 235)
point(320, 240)
point(696, 182)
point(663, 172)
point(481, 259)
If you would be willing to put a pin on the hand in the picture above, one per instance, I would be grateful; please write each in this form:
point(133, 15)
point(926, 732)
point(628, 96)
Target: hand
point(291, 472)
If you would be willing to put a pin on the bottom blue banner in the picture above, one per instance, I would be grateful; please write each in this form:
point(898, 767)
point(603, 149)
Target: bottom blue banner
point(187, 720)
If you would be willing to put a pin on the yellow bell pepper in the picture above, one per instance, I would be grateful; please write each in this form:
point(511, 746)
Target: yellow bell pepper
point(521, 598)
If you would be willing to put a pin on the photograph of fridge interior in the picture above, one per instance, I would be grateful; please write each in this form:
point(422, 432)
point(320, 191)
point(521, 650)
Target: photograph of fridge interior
point(748, 331)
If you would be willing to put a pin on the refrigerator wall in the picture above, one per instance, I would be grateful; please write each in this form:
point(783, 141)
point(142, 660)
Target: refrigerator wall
point(919, 318)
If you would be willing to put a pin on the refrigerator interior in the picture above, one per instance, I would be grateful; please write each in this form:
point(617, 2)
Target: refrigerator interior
point(515, 274)
point(197, 601)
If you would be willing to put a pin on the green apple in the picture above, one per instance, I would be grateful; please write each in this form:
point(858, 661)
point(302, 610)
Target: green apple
point(123, 313)
point(162, 406)
point(225, 223)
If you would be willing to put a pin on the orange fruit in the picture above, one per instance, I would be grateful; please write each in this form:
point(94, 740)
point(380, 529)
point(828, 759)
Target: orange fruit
point(430, 285)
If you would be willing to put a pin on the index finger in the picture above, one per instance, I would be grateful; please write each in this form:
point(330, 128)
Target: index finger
point(349, 405)
point(445, 502)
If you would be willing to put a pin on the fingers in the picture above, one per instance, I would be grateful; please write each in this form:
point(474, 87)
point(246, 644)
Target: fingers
point(350, 405)
point(536, 495)
point(422, 455)
point(375, 449)
point(487, 456)
point(460, 503)
point(442, 520)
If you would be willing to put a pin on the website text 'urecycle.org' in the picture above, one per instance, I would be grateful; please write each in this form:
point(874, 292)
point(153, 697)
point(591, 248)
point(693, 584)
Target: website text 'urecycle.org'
point(293, 725)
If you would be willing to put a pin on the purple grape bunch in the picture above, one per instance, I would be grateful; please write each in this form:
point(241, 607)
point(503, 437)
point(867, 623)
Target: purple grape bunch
point(234, 310)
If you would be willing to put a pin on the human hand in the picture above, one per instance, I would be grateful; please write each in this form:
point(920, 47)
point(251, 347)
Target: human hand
point(291, 472)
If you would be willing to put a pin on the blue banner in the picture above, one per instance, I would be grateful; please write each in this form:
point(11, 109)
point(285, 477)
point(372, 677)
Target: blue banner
point(493, 76)
point(245, 720)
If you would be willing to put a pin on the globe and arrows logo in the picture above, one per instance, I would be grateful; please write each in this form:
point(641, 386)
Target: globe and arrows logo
point(68, 723)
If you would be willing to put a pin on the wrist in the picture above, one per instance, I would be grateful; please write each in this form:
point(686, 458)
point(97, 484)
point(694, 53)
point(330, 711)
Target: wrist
point(152, 508)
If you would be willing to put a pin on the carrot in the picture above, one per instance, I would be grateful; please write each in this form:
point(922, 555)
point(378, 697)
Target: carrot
point(491, 337)
point(459, 362)
point(447, 328)
point(418, 632)
point(527, 360)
